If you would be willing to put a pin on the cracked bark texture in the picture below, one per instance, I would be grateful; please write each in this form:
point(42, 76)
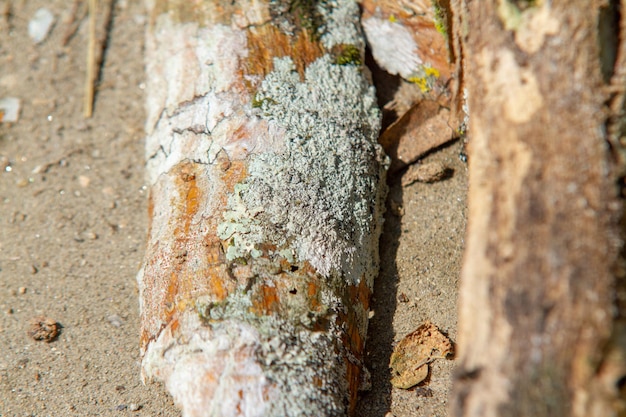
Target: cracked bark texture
point(266, 199)
point(540, 320)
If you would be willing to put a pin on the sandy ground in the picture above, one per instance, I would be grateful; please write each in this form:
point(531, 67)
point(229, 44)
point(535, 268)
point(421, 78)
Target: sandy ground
point(73, 220)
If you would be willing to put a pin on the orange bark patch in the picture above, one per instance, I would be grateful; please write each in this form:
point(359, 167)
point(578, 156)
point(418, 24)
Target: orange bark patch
point(267, 42)
point(235, 174)
point(174, 325)
point(217, 286)
point(353, 374)
point(312, 292)
point(189, 196)
point(360, 294)
point(266, 301)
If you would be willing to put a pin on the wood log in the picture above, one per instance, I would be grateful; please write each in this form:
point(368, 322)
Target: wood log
point(266, 199)
point(537, 315)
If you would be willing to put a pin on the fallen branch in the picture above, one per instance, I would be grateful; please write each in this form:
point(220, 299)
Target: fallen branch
point(266, 200)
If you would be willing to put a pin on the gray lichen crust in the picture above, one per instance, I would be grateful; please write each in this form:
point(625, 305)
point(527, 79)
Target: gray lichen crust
point(318, 196)
point(300, 363)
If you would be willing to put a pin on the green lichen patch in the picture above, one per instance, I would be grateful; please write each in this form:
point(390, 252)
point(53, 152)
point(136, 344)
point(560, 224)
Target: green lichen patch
point(347, 55)
point(441, 18)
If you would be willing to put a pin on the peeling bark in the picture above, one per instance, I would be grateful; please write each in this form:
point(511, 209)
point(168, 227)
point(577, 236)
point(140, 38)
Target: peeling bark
point(266, 199)
point(537, 313)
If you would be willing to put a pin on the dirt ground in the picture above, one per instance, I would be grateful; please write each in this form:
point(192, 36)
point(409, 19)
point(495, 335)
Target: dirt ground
point(73, 220)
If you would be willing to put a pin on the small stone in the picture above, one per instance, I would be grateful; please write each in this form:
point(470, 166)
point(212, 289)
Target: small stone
point(39, 26)
point(44, 328)
point(121, 407)
point(83, 181)
point(403, 298)
point(134, 407)
point(396, 208)
point(423, 392)
point(9, 113)
point(21, 290)
point(115, 320)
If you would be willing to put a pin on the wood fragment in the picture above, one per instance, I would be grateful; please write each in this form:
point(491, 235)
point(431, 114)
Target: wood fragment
point(266, 199)
point(409, 38)
point(419, 131)
point(426, 172)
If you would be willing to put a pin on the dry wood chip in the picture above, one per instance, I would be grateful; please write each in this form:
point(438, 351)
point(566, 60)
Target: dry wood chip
point(44, 328)
point(418, 131)
point(428, 172)
point(410, 358)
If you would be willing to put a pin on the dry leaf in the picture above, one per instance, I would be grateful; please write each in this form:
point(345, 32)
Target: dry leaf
point(410, 358)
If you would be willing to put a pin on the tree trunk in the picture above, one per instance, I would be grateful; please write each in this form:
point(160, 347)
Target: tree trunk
point(266, 199)
point(537, 296)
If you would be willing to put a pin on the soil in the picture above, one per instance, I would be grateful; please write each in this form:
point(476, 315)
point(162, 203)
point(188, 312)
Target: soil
point(73, 221)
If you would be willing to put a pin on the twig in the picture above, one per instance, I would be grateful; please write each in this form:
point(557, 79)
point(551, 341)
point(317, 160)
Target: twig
point(91, 64)
point(98, 39)
point(73, 23)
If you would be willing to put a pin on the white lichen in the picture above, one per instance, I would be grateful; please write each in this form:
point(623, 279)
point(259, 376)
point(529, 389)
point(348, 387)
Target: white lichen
point(320, 195)
point(340, 26)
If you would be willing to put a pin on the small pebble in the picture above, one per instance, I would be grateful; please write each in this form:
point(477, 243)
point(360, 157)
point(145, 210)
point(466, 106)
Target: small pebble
point(403, 298)
point(44, 328)
point(115, 320)
point(396, 208)
point(83, 181)
point(40, 25)
point(10, 112)
point(121, 407)
point(21, 290)
point(134, 407)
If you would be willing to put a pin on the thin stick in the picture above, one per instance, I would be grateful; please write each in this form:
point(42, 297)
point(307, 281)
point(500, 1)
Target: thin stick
point(73, 22)
point(91, 62)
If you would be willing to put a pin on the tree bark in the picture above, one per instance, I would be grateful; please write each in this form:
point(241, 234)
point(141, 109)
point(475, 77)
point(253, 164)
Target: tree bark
point(537, 298)
point(266, 199)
